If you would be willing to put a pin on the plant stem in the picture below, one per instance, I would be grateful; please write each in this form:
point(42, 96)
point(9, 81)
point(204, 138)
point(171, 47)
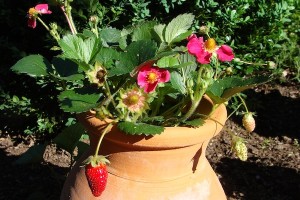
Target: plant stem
point(234, 111)
point(101, 138)
point(216, 76)
point(43, 23)
point(171, 110)
point(250, 63)
point(193, 107)
point(69, 20)
point(243, 102)
point(209, 118)
point(158, 104)
point(200, 89)
point(110, 96)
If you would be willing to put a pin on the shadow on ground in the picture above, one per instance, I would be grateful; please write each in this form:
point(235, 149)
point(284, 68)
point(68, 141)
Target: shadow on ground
point(29, 182)
point(277, 115)
point(252, 181)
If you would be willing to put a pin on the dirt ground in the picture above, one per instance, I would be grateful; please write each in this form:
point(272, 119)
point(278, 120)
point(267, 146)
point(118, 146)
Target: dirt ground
point(272, 171)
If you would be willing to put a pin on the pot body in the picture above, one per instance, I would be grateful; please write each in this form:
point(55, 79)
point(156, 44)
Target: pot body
point(169, 166)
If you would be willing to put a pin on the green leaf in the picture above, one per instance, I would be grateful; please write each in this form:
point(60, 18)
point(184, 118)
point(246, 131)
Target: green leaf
point(78, 100)
point(142, 50)
point(140, 128)
point(124, 37)
point(183, 65)
point(178, 26)
point(165, 53)
point(136, 53)
point(33, 155)
point(75, 47)
point(67, 69)
point(125, 65)
point(191, 61)
point(106, 56)
point(167, 61)
point(154, 119)
point(33, 65)
point(195, 122)
point(69, 137)
point(182, 36)
point(177, 82)
point(143, 32)
point(222, 90)
point(159, 30)
point(110, 35)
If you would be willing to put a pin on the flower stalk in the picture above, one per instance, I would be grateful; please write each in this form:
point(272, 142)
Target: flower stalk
point(43, 23)
point(67, 12)
point(107, 128)
point(244, 103)
point(203, 81)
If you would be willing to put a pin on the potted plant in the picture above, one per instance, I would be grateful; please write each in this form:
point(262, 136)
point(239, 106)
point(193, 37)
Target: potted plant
point(151, 96)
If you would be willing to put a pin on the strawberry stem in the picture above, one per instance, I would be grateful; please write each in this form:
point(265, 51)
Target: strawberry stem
point(101, 138)
point(244, 103)
point(234, 111)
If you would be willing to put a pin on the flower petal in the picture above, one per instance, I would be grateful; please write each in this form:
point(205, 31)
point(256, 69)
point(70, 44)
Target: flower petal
point(204, 57)
point(164, 75)
point(192, 36)
point(142, 78)
point(150, 87)
point(43, 9)
point(31, 22)
point(225, 53)
point(195, 46)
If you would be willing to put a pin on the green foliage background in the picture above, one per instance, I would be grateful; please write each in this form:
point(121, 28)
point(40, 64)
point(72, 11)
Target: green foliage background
point(257, 30)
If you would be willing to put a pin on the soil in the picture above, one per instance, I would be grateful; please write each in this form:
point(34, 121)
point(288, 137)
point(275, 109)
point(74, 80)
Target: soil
point(271, 172)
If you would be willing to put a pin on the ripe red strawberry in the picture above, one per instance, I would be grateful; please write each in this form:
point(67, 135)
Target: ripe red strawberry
point(249, 122)
point(96, 174)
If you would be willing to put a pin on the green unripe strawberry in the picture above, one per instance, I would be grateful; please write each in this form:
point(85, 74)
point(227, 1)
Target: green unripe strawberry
point(249, 122)
point(240, 148)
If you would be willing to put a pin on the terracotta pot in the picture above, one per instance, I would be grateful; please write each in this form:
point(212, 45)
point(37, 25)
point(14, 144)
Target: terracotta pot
point(170, 166)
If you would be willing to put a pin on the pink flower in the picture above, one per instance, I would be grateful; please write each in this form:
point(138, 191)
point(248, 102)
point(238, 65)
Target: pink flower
point(33, 14)
point(204, 50)
point(149, 76)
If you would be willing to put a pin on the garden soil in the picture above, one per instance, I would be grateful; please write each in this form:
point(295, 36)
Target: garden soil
point(271, 172)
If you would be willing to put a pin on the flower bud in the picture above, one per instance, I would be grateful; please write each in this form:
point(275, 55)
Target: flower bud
point(190, 85)
point(228, 70)
point(94, 19)
point(271, 65)
point(206, 74)
point(284, 73)
point(53, 26)
point(237, 60)
point(203, 30)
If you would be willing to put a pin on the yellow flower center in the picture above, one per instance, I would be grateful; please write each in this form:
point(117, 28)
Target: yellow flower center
point(152, 77)
point(32, 11)
point(134, 99)
point(210, 45)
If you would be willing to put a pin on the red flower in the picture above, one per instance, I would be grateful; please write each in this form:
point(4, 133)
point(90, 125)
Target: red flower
point(149, 77)
point(33, 14)
point(204, 50)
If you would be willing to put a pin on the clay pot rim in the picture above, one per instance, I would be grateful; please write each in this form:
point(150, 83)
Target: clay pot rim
point(172, 137)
